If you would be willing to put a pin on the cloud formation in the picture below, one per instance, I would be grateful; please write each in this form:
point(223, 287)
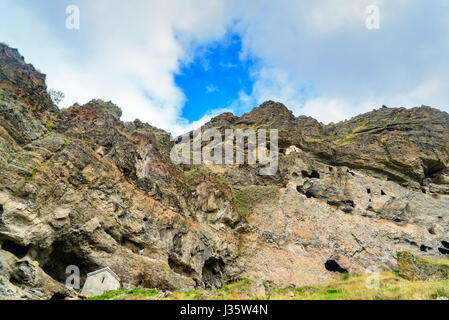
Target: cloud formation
point(317, 57)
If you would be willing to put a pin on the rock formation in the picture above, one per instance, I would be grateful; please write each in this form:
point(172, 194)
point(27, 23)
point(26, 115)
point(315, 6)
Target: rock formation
point(81, 187)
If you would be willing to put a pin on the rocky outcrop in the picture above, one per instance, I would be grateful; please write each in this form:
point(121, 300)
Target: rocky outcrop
point(81, 187)
point(414, 267)
point(22, 80)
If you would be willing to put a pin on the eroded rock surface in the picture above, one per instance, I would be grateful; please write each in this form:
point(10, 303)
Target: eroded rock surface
point(81, 187)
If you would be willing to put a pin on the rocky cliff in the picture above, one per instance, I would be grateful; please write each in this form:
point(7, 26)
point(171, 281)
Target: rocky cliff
point(81, 187)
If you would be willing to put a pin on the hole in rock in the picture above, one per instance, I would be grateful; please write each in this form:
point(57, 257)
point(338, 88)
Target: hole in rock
point(368, 191)
point(445, 244)
point(313, 175)
point(1, 210)
point(63, 254)
point(16, 249)
point(58, 296)
point(310, 195)
point(424, 248)
point(333, 266)
point(212, 273)
point(443, 251)
point(382, 193)
point(295, 175)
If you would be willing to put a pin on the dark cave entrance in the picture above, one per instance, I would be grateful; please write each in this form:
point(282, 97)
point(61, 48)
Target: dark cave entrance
point(63, 255)
point(333, 266)
point(313, 175)
point(213, 273)
point(16, 249)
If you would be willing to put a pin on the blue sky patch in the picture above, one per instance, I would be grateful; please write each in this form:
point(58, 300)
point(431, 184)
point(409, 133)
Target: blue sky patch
point(215, 78)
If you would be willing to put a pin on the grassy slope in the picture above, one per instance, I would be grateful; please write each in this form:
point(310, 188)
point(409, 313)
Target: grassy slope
point(392, 287)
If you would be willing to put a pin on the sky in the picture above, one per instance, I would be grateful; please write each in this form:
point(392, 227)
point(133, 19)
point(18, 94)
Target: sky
point(177, 63)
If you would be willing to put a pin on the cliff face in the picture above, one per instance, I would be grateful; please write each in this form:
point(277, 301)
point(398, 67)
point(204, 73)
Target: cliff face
point(80, 187)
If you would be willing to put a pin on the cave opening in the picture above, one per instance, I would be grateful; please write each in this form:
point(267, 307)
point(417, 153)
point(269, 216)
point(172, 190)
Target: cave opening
point(1, 209)
point(61, 256)
point(313, 175)
point(424, 248)
point(213, 273)
point(443, 251)
point(333, 266)
point(445, 244)
point(58, 296)
point(16, 249)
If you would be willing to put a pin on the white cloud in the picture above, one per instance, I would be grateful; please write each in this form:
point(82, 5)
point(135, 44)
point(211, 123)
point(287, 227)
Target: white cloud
point(316, 57)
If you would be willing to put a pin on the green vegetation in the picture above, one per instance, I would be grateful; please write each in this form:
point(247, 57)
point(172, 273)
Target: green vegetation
point(363, 123)
point(137, 294)
point(246, 197)
point(50, 126)
point(56, 96)
point(392, 287)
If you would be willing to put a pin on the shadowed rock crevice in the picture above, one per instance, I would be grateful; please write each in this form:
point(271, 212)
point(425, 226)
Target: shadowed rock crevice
point(16, 249)
point(60, 256)
point(333, 266)
point(213, 273)
point(313, 175)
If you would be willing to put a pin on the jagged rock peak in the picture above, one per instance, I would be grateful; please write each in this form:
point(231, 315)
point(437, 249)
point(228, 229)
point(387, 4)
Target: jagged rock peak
point(271, 108)
point(24, 81)
point(95, 109)
point(223, 120)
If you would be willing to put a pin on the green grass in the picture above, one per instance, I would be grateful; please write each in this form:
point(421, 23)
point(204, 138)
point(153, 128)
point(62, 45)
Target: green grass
point(246, 197)
point(134, 293)
point(350, 287)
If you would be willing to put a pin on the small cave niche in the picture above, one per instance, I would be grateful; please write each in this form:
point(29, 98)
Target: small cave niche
point(443, 250)
point(58, 296)
point(445, 244)
point(180, 267)
point(333, 266)
point(62, 255)
point(382, 193)
point(16, 249)
point(213, 273)
point(313, 175)
point(431, 230)
point(310, 195)
point(1, 210)
point(368, 190)
point(424, 248)
point(295, 175)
